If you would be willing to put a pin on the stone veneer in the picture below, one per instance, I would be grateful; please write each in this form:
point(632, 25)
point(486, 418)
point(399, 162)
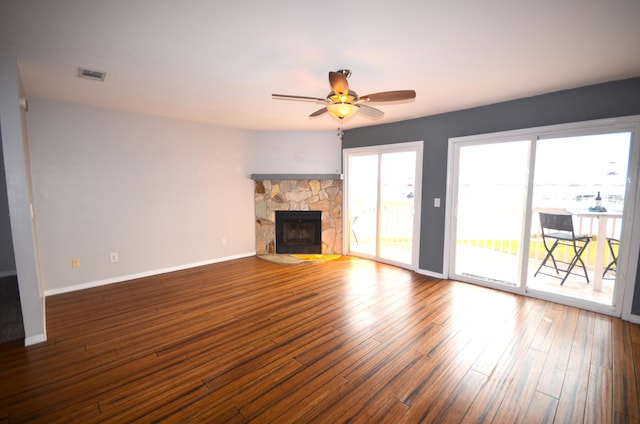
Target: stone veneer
point(298, 195)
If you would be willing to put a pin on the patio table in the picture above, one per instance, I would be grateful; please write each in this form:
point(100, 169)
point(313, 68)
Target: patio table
point(601, 239)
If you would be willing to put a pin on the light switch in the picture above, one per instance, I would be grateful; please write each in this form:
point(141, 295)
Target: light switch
point(436, 202)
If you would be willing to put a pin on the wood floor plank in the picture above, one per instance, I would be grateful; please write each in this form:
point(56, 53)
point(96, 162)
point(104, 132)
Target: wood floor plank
point(364, 397)
point(599, 405)
point(347, 340)
point(508, 368)
point(333, 389)
point(560, 347)
point(625, 388)
point(573, 396)
point(602, 354)
point(502, 337)
point(311, 377)
point(391, 411)
point(445, 395)
point(521, 391)
point(541, 409)
point(452, 408)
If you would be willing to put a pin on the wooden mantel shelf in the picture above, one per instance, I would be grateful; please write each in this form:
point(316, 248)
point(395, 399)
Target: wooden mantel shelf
point(296, 176)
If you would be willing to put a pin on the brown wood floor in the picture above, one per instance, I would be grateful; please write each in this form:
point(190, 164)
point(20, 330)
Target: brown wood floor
point(342, 341)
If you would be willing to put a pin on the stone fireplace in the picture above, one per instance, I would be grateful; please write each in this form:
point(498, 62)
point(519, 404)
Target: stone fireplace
point(297, 193)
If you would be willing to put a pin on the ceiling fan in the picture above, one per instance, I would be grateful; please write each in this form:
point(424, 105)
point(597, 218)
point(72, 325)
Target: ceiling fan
point(342, 102)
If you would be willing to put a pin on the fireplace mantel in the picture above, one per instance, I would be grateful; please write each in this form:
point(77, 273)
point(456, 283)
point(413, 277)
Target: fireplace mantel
point(296, 176)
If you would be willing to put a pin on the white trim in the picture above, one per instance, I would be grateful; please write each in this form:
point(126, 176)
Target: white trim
point(38, 338)
point(633, 318)
point(123, 278)
point(554, 130)
point(448, 210)
point(417, 206)
point(430, 274)
point(575, 302)
point(418, 148)
point(630, 240)
point(8, 273)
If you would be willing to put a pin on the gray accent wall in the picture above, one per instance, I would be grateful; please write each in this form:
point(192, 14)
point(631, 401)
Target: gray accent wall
point(7, 258)
point(607, 100)
point(635, 305)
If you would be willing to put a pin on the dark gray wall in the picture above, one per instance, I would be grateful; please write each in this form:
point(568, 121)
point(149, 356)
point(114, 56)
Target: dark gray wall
point(7, 259)
point(635, 306)
point(608, 100)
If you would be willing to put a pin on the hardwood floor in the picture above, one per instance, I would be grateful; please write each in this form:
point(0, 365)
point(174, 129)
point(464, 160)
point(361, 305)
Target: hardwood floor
point(342, 341)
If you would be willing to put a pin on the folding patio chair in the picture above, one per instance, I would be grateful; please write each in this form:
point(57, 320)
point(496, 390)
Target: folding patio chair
point(562, 246)
point(613, 265)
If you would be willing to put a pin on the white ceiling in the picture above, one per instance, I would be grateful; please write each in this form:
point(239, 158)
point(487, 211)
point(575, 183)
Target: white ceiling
point(219, 61)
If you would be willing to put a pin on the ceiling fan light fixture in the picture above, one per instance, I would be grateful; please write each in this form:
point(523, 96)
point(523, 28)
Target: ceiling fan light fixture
point(342, 102)
point(349, 97)
point(342, 110)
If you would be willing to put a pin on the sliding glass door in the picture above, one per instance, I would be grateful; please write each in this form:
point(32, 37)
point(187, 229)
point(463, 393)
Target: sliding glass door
point(584, 176)
point(491, 196)
point(381, 187)
point(501, 184)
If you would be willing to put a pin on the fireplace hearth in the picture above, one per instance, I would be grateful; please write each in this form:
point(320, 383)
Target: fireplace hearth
point(298, 232)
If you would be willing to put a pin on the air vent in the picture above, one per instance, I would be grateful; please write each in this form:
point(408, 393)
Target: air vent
point(91, 74)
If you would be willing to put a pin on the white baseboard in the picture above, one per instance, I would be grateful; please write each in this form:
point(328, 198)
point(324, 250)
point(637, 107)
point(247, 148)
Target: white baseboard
point(8, 273)
point(634, 318)
point(430, 273)
point(31, 340)
point(120, 279)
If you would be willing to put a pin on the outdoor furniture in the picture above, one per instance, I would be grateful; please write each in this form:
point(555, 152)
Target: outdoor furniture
point(558, 233)
point(604, 218)
point(613, 265)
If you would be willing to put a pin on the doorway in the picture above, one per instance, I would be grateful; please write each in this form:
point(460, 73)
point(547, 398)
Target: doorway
point(499, 185)
point(490, 212)
point(382, 201)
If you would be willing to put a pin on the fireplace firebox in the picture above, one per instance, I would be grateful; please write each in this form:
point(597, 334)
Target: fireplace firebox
point(298, 232)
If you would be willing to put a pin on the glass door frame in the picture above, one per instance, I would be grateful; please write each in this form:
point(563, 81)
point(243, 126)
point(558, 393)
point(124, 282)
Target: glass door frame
point(416, 146)
point(630, 236)
point(451, 212)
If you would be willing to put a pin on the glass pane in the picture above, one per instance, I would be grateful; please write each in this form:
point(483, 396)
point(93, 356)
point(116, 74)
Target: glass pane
point(570, 174)
point(492, 187)
point(396, 204)
point(363, 200)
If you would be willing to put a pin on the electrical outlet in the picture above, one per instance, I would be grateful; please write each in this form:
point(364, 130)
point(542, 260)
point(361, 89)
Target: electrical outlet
point(113, 257)
point(223, 241)
point(75, 263)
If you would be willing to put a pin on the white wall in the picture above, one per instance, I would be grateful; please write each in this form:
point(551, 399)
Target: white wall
point(297, 152)
point(162, 193)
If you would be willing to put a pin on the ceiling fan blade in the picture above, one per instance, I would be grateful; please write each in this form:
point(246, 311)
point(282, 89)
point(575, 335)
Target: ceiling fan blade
point(338, 83)
point(389, 96)
point(370, 111)
point(318, 112)
point(303, 98)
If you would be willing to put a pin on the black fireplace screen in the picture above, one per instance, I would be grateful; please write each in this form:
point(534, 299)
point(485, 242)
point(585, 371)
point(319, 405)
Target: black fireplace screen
point(298, 232)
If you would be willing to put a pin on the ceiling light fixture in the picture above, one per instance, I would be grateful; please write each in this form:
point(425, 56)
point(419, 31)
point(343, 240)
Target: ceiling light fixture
point(342, 110)
point(342, 102)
